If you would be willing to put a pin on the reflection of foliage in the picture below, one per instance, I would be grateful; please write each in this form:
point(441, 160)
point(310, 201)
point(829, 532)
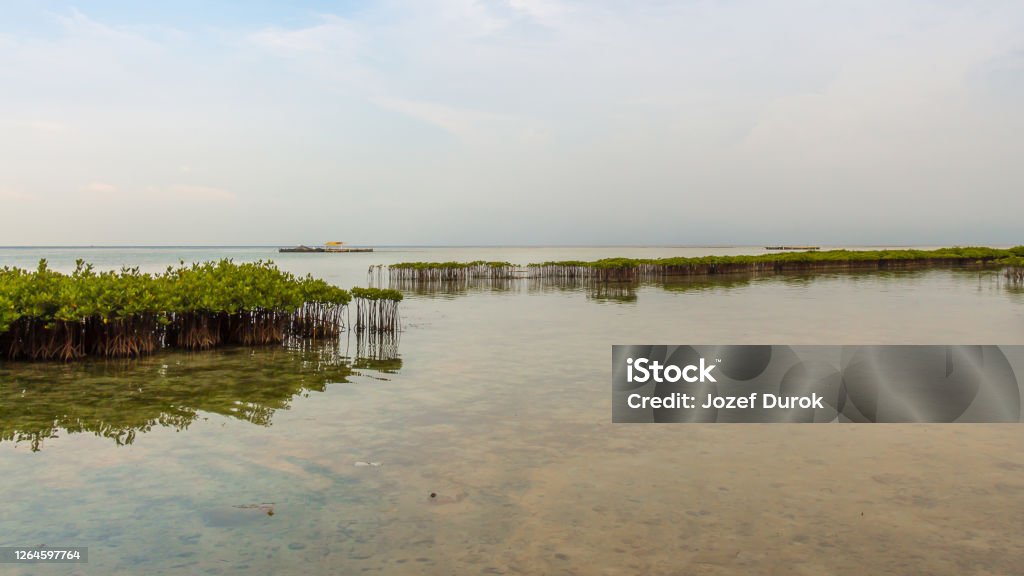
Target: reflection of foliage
point(627, 291)
point(377, 347)
point(614, 292)
point(118, 399)
point(793, 279)
point(701, 283)
point(453, 288)
point(384, 365)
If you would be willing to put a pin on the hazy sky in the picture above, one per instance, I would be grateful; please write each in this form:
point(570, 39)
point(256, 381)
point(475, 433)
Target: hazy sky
point(511, 122)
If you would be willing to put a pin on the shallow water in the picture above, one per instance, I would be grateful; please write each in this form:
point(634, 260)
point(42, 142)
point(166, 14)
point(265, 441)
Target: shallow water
point(498, 402)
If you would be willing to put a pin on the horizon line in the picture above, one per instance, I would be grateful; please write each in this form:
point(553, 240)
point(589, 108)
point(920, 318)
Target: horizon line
point(643, 245)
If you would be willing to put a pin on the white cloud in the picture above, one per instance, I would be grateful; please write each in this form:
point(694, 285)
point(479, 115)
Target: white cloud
point(77, 24)
point(458, 122)
point(559, 102)
point(100, 190)
point(470, 17)
point(544, 11)
point(332, 34)
point(193, 193)
point(47, 126)
point(186, 194)
point(16, 195)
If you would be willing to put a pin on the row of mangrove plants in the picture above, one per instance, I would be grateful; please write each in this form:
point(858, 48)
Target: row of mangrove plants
point(377, 309)
point(432, 271)
point(47, 315)
point(630, 269)
point(620, 269)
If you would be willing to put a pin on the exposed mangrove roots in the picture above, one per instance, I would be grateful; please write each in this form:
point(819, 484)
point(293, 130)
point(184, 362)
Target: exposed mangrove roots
point(1014, 271)
point(377, 309)
point(46, 315)
point(447, 271)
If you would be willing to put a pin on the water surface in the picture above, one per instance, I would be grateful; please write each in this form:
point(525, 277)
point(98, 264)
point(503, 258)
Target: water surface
point(497, 400)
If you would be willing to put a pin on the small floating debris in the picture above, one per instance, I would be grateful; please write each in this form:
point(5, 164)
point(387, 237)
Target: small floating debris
point(374, 464)
point(435, 498)
point(237, 515)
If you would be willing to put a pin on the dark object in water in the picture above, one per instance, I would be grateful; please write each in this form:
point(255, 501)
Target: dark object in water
point(267, 507)
point(310, 249)
point(438, 499)
point(237, 515)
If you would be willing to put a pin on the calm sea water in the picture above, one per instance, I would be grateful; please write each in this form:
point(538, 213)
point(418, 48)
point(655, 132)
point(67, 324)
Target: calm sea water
point(496, 399)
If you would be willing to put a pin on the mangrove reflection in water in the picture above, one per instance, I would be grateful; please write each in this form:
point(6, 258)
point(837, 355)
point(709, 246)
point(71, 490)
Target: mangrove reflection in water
point(627, 291)
point(118, 399)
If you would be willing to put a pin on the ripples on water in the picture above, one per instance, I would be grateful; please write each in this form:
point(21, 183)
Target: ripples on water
point(496, 400)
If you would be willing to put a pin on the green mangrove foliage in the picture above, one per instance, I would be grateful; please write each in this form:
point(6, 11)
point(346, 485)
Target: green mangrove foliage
point(46, 315)
point(406, 274)
point(623, 269)
point(377, 309)
point(630, 269)
point(428, 271)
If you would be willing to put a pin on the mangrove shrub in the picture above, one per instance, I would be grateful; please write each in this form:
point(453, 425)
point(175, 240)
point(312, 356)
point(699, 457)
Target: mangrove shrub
point(47, 315)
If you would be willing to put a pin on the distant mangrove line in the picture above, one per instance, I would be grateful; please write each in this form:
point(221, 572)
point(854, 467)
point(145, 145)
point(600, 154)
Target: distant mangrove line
point(47, 315)
point(632, 269)
point(434, 271)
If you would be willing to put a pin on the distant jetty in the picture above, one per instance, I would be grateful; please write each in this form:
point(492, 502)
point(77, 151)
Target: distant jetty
point(328, 247)
point(792, 247)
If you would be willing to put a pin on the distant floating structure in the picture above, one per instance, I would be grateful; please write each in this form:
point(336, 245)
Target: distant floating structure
point(792, 247)
point(328, 247)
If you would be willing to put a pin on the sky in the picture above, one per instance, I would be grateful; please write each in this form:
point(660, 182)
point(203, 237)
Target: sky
point(511, 122)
